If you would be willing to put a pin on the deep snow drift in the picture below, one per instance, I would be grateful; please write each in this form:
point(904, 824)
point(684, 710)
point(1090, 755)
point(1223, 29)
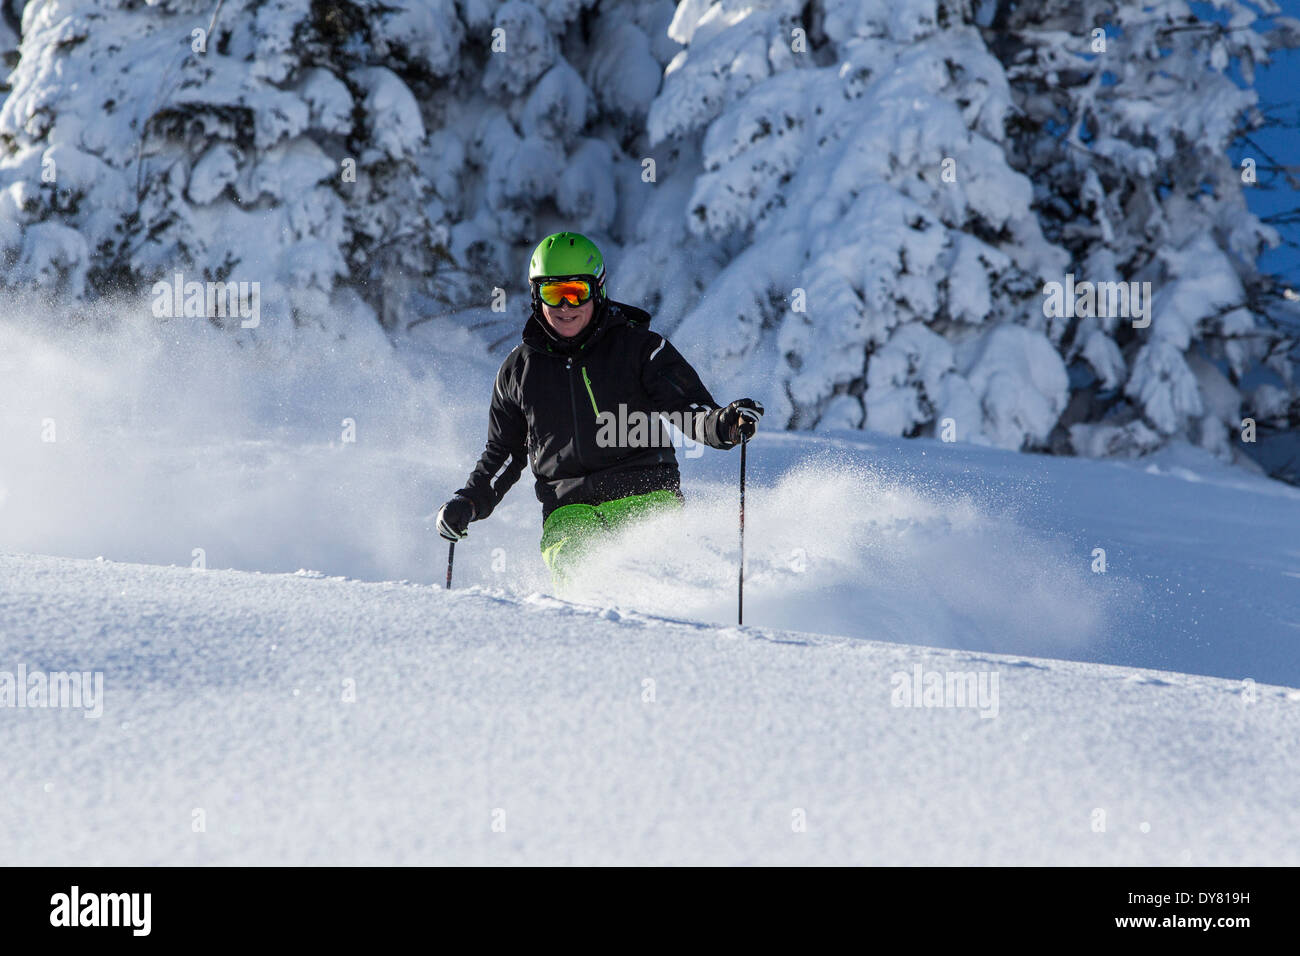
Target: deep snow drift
point(224, 691)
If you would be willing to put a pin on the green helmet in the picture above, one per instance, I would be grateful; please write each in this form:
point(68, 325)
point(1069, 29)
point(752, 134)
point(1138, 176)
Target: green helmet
point(567, 254)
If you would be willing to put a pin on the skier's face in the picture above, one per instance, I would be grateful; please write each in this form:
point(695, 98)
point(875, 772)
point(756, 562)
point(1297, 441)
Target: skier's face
point(568, 320)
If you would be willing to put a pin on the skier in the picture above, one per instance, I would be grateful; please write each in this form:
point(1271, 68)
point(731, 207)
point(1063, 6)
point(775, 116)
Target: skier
point(584, 360)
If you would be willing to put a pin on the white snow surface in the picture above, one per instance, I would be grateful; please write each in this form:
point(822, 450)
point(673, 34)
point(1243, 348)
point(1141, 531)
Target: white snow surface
point(868, 556)
point(224, 692)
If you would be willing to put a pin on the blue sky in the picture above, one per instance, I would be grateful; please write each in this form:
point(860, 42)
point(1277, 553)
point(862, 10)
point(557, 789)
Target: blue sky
point(1279, 90)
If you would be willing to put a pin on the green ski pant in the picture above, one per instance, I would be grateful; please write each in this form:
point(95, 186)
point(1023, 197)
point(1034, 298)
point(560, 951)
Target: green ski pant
point(570, 530)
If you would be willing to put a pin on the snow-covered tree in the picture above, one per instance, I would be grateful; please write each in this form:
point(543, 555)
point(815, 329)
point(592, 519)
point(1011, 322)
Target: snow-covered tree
point(1124, 118)
point(898, 183)
point(356, 157)
point(853, 209)
point(245, 141)
point(887, 262)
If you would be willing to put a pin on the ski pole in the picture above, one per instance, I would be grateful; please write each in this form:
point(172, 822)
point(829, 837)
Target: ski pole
point(451, 553)
point(740, 602)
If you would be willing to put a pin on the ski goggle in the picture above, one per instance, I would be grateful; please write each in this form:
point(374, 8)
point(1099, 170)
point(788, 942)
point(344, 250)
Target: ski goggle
point(556, 292)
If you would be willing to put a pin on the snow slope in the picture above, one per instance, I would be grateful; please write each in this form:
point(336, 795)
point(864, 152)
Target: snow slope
point(224, 692)
point(224, 689)
point(174, 446)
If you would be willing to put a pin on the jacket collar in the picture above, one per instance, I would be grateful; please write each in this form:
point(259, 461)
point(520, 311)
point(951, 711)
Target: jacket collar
point(539, 336)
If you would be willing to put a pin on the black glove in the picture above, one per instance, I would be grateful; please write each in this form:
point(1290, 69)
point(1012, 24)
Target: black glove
point(454, 517)
point(738, 419)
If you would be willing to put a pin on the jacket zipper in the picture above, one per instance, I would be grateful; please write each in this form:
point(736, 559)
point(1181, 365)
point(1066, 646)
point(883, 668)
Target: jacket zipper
point(590, 394)
point(573, 401)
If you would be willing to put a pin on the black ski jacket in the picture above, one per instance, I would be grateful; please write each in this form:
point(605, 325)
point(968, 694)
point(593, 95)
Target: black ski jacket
point(556, 404)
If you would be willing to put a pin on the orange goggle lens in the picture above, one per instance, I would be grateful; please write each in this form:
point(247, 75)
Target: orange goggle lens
point(575, 291)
